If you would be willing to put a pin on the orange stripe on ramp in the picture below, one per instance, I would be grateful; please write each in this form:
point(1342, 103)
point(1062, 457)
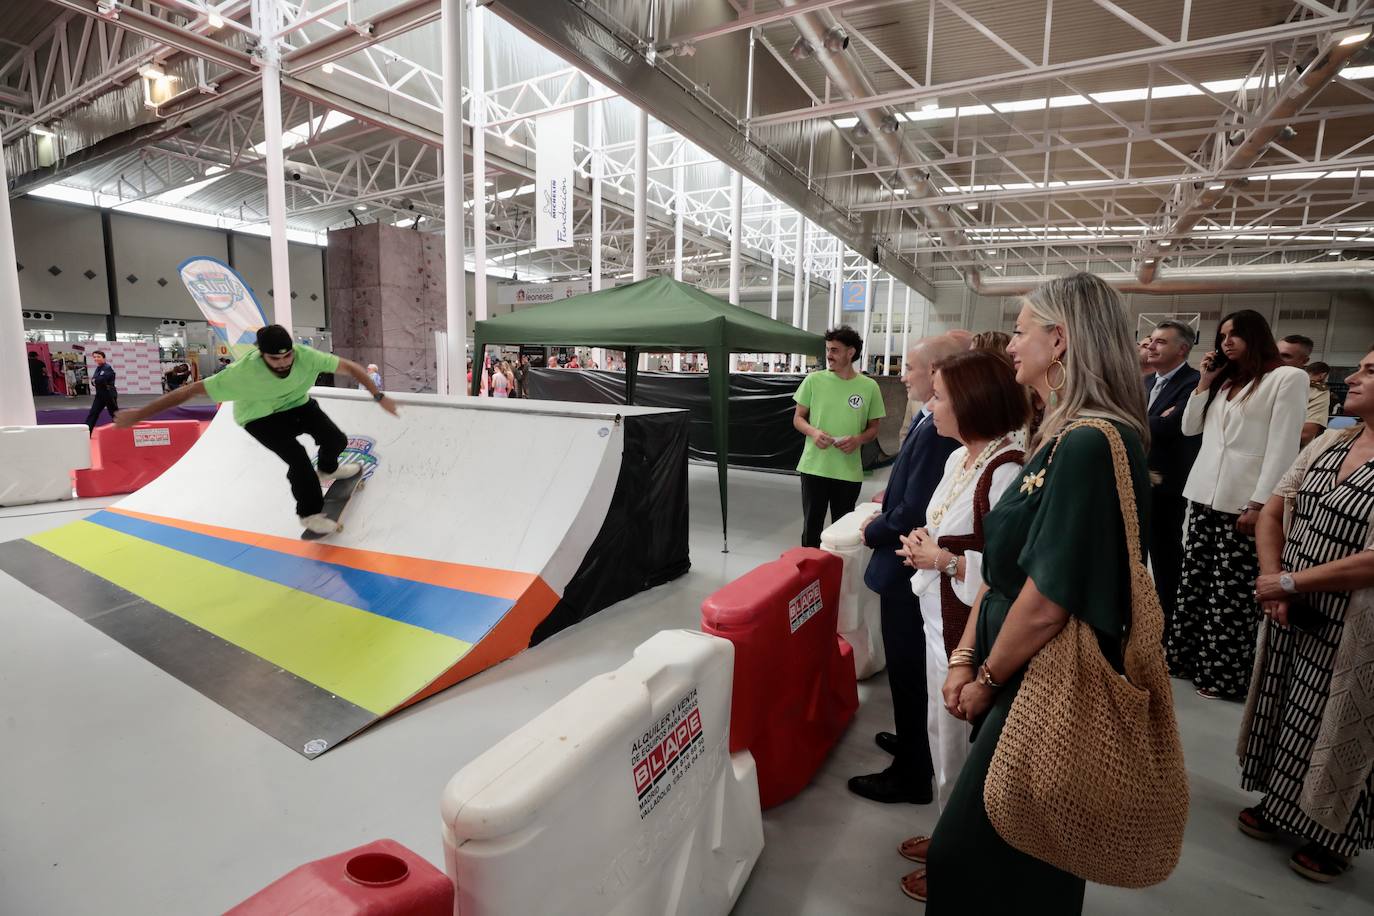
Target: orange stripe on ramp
point(523, 588)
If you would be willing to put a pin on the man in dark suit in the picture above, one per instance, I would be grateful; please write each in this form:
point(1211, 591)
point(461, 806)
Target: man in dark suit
point(1171, 453)
point(915, 475)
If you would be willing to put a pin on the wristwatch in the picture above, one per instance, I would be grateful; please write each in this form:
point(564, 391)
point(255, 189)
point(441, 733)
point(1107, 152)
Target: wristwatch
point(952, 567)
point(378, 396)
point(1287, 583)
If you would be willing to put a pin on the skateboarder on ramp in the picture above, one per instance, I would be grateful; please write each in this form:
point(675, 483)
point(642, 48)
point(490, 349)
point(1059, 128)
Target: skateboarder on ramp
point(270, 387)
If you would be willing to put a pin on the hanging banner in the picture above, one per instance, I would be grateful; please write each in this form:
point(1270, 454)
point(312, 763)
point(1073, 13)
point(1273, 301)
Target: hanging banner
point(553, 171)
point(535, 293)
point(853, 296)
point(227, 302)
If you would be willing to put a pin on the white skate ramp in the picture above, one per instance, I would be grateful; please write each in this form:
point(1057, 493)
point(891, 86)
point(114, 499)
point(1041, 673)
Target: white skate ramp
point(473, 518)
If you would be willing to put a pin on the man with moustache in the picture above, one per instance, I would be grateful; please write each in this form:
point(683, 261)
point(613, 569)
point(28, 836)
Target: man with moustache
point(270, 389)
point(838, 410)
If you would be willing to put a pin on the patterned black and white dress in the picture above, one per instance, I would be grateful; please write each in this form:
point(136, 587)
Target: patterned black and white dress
point(1211, 638)
point(1294, 674)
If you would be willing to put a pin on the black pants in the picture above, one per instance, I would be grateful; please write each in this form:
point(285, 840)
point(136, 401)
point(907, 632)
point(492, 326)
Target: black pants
point(1167, 510)
point(820, 494)
point(104, 400)
point(278, 433)
point(904, 641)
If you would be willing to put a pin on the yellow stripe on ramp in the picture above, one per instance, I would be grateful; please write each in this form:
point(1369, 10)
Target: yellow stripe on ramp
point(371, 661)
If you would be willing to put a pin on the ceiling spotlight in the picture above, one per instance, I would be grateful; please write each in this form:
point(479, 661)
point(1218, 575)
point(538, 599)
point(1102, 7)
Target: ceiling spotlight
point(889, 124)
point(1164, 243)
point(152, 72)
point(216, 20)
point(836, 40)
point(1216, 186)
point(686, 49)
point(1235, 137)
point(1287, 132)
point(801, 49)
point(362, 206)
point(107, 9)
point(328, 67)
point(1334, 254)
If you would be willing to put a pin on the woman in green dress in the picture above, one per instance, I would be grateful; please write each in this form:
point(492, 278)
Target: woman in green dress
point(1055, 547)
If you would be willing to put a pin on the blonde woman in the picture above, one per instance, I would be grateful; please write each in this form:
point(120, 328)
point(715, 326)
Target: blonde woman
point(1054, 547)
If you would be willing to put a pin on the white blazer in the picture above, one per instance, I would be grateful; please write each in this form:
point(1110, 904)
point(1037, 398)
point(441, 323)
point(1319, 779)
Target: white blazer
point(1247, 442)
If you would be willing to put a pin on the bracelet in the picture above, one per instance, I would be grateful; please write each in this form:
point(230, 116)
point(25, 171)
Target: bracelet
point(962, 658)
point(985, 677)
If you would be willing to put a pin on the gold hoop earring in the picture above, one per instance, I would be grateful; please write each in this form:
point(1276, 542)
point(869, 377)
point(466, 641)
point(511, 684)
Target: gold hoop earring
point(1063, 378)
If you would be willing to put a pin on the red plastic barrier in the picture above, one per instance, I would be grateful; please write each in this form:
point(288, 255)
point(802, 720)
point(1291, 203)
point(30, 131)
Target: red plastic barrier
point(380, 878)
point(122, 460)
point(795, 689)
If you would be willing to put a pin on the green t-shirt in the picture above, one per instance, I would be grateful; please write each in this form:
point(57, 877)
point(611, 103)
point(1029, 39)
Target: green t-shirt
point(840, 407)
point(258, 392)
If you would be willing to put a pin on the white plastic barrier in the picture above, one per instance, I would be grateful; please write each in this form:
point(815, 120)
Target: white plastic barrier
point(36, 462)
point(860, 619)
point(622, 798)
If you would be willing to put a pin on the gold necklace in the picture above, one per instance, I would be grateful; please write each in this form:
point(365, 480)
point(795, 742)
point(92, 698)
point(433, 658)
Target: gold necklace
point(962, 479)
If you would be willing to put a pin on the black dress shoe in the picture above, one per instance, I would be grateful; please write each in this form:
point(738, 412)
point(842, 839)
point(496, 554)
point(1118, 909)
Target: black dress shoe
point(886, 741)
point(890, 788)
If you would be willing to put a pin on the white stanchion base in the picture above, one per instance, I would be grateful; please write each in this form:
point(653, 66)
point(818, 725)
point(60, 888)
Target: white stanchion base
point(36, 462)
point(860, 620)
point(621, 799)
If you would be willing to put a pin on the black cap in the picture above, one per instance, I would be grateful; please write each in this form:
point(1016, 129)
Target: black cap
point(274, 340)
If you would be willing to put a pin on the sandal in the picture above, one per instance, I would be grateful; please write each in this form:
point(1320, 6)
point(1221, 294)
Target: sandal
point(1317, 863)
point(1254, 824)
point(914, 885)
point(914, 849)
point(1208, 693)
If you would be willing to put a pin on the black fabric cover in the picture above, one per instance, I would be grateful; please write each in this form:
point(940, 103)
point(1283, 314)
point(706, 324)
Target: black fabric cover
point(761, 409)
point(643, 541)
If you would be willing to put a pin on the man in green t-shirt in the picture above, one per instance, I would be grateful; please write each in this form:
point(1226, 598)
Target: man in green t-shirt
point(838, 412)
point(270, 388)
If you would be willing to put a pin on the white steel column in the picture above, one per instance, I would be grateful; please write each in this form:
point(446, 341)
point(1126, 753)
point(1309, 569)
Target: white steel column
point(837, 286)
point(679, 207)
point(267, 20)
point(736, 232)
point(887, 331)
point(777, 256)
point(641, 195)
point(477, 89)
point(596, 140)
point(16, 398)
point(455, 279)
point(797, 262)
point(906, 323)
point(868, 308)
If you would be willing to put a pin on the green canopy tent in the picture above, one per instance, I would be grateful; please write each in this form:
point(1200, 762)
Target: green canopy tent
point(658, 315)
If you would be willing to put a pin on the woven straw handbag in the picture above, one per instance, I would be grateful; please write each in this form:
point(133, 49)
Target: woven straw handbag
point(1088, 774)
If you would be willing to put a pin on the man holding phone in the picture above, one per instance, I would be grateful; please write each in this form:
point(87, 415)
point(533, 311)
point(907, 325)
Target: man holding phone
point(838, 411)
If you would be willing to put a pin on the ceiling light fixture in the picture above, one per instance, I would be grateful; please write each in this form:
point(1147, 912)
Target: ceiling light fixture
point(328, 67)
point(836, 40)
point(1335, 254)
point(216, 20)
point(801, 49)
point(152, 72)
point(1354, 37)
point(41, 131)
point(971, 206)
point(1217, 186)
point(861, 130)
point(889, 124)
point(1287, 132)
point(362, 206)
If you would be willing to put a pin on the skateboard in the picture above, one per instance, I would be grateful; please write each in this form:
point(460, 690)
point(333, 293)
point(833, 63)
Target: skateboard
point(335, 501)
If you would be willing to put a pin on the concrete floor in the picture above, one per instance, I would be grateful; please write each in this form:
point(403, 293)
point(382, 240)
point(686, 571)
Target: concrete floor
point(127, 792)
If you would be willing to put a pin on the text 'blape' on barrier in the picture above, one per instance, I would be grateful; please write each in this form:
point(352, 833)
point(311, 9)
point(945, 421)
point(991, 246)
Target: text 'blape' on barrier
point(123, 460)
point(795, 691)
point(382, 878)
point(36, 462)
point(860, 620)
point(622, 798)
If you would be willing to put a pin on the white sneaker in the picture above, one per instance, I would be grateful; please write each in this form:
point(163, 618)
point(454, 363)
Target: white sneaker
point(319, 523)
point(343, 471)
